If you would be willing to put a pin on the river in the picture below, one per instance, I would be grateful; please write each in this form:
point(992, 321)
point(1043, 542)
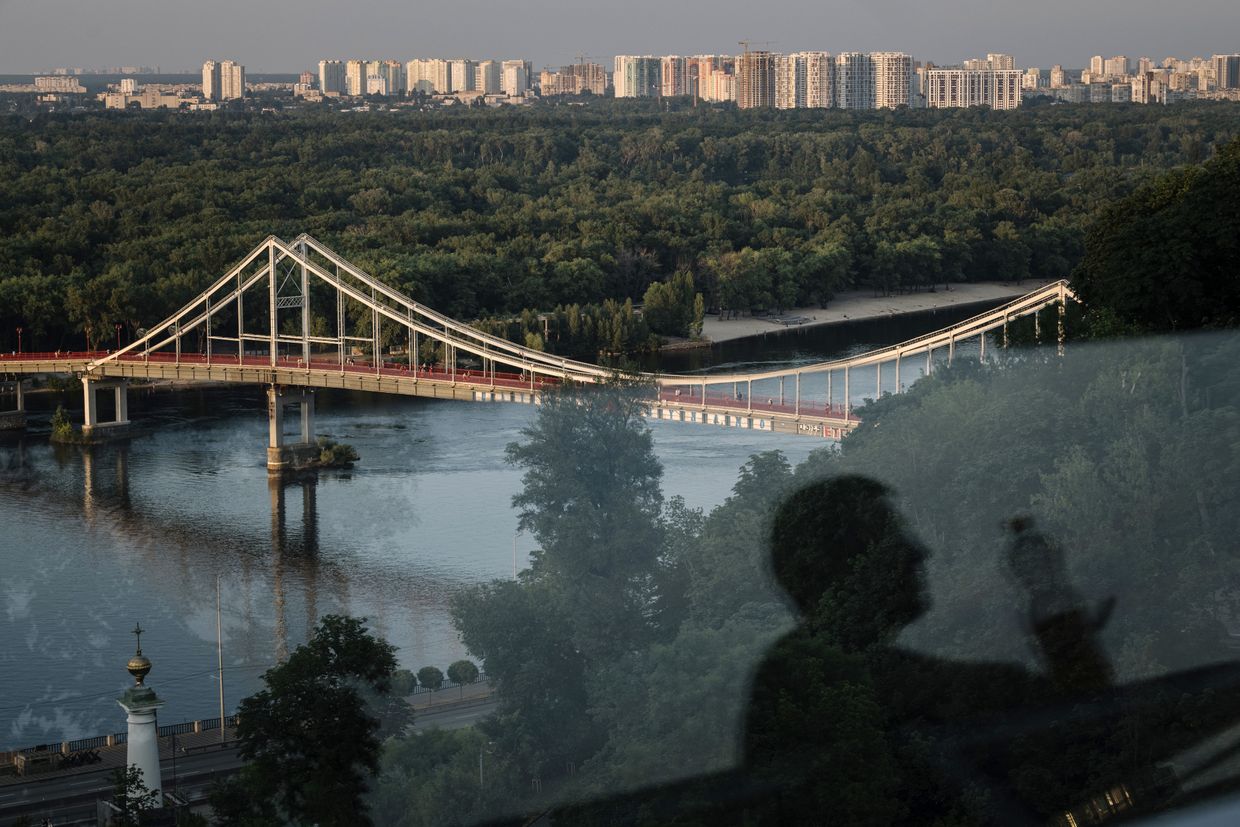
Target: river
point(95, 540)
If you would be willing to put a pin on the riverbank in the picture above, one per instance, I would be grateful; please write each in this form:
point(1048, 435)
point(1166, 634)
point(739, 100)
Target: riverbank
point(859, 305)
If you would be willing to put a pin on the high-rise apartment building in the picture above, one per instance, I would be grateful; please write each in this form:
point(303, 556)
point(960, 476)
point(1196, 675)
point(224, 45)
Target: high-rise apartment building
point(1117, 67)
point(713, 77)
point(755, 80)
point(574, 80)
point(232, 81)
point(355, 78)
point(951, 88)
point(488, 77)
point(854, 81)
point(893, 79)
point(393, 73)
point(1226, 71)
point(1032, 79)
point(819, 80)
point(998, 61)
point(790, 81)
point(1097, 66)
point(462, 75)
point(1059, 78)
point(674, 76)
point(515, 77)
point(803, 80)
point(331, 77)
point(211, 80)
point(638, 76)
point(1144, 64)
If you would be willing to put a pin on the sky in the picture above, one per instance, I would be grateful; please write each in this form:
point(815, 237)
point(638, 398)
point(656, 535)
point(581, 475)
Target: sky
point(293, 35)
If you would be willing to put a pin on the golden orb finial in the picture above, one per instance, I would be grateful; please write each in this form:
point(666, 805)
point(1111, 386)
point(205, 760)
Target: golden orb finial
point(139, 665)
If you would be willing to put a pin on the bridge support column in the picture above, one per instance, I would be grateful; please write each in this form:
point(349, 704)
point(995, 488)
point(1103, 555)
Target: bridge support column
point(282, 456)
point(90, 420)
point(15, 419)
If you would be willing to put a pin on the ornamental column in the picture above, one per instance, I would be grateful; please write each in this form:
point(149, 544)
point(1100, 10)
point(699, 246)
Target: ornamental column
point(140, 701)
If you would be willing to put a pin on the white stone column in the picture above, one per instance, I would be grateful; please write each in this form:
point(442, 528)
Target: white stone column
point(142, 750)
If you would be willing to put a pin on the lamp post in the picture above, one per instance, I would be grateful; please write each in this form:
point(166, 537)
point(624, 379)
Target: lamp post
point(118, 336)
point(19, 340)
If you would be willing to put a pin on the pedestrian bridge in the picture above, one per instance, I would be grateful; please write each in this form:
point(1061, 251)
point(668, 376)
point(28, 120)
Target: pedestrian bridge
point(296, 316)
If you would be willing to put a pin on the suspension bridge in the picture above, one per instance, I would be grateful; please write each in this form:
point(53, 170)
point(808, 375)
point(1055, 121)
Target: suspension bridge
point(296, 316)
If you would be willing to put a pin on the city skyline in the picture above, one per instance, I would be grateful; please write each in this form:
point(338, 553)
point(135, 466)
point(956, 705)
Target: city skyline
point(34, 36)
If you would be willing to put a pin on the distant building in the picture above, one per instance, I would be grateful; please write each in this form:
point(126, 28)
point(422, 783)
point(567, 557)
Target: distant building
point(515, 77)
point(211, 80)
point(638, 76)
point(755, 80)
point(60, 83)
point(1032, 79)
point(488, 77)
point(232, 81)
point(574, 80)
point(146, 99)
point(331, 77)
point(674, 76)
point(713, 77)
point(1058, 77)
point(1117, 67)
point(951, 88)
point(1226, 71)
point(1001, 62)
point(1097, 66)
point(128, 86)
point(803, 80)
point(355, 78)
point(461, 77)
point(893, 79)
point(854, 81)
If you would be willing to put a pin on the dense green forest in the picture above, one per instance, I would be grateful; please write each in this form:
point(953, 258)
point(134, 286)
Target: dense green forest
point(117, 218)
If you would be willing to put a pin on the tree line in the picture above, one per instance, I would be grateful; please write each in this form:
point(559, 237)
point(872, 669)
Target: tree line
point(115, 219)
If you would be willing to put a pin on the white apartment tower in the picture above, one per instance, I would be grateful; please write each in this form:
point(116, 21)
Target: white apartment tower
point(515, 77)
point(462, 78)
point(790, 81)
point(674, 76)
point(232, 81)
point(355, 78)
point(211, 80)
point(331, 77)
point(487, 77)
point(893, 79)
point(638, 76)
point(854, 81)
point(952, 88)
point(999, 61)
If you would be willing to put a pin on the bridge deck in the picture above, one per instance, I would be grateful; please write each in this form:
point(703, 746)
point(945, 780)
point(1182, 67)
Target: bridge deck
point(678, 405)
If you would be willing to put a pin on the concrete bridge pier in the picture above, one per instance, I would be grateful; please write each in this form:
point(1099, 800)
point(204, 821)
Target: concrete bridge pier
point(15, 419)
point(91, 423)
point(281, 455)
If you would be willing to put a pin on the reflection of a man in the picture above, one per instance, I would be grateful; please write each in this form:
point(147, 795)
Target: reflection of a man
point(848, 726)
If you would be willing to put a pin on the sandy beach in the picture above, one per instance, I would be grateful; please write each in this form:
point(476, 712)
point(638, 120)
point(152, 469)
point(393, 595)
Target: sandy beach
point(863, 304)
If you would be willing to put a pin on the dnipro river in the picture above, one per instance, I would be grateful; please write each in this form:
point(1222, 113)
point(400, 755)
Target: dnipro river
point(95, 540)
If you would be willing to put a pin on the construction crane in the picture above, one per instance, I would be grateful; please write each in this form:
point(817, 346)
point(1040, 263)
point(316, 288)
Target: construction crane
point(744, 44)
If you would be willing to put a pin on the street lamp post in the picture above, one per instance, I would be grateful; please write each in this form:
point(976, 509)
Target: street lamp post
point(118, 336)
point(19, 340)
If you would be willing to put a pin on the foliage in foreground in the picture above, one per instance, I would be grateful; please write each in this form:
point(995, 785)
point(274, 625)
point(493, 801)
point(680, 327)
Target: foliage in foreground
point(310, 738)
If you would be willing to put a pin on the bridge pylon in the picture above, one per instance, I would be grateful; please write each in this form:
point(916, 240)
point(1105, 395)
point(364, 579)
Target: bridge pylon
point(90, 412)
point(15, 419)
point(286, 456)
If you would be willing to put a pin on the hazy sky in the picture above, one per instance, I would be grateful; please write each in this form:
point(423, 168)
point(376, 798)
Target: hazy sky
point(292, 35)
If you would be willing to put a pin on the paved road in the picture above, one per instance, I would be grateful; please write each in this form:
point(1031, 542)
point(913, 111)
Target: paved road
point(70, 798)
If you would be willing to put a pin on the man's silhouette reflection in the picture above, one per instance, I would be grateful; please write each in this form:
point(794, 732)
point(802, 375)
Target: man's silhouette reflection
point(846, 727)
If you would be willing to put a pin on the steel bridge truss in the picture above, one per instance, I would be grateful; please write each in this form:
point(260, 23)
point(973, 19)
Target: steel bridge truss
point(262, 312)
point(298, 313)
